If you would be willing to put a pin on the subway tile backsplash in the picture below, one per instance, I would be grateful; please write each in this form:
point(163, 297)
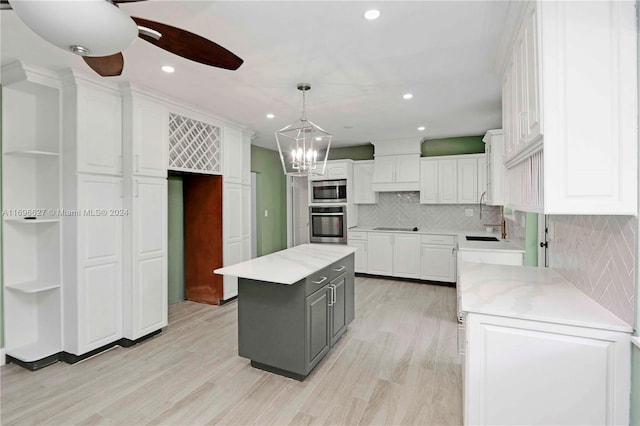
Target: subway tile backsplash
point(403, 209)
point(597, 255)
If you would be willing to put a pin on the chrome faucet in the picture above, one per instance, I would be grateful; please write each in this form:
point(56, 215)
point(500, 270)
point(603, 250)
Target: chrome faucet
point(502, 224)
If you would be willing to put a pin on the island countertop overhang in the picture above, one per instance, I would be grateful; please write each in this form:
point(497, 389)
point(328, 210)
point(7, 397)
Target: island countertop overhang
point(290, 265)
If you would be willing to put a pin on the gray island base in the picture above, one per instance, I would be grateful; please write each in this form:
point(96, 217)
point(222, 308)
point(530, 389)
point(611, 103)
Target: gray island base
point(288, 327)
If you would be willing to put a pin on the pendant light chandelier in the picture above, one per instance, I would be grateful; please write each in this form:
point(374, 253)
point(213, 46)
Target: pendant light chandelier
point(303, 146)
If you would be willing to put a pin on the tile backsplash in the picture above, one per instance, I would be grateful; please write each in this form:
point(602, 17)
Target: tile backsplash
point(597, 255)
point(403, 209)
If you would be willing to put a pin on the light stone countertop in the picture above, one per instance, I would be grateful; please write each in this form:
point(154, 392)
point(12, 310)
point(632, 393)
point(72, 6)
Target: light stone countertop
point(463, 244)
point(531, 293)
point(290, 265)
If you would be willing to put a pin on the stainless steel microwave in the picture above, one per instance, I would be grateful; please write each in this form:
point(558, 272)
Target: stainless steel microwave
point(329, 191)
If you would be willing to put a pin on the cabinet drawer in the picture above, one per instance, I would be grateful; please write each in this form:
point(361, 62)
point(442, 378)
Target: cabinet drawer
point(357, 235)
point(438, 239)
point(318, 280)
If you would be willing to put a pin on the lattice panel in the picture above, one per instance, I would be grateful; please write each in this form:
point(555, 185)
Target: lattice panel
point(194, 146)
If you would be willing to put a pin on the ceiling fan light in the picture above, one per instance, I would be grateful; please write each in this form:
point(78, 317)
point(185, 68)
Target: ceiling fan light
point(95, 25)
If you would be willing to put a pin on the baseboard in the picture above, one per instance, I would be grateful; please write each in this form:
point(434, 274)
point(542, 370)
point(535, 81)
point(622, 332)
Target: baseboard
point(2, 360)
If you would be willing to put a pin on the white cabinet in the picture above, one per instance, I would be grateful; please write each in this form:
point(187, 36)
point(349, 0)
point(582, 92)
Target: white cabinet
point(520, 371)
point(335, 169)
point(495, 169)
point(31, 187)
point(497, 257)
point(454, 179)
point(380, 253)
point(93, 265)
point(437, 258)
point(145, 128)
point(393, 254)
point(573, 63)
point(396, 172)
point(93, 123)
point(358, 240)
point(362, 183)
point(468, 181)
point(145, 293)
point(406, 255)
point(233, 149)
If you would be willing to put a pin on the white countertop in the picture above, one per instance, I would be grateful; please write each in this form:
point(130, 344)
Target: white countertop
point(288, 266)
point(532, 293)
point(463, 244)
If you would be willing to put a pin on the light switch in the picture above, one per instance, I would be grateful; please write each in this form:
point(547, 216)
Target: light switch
point(266, 213)
point(468, 212)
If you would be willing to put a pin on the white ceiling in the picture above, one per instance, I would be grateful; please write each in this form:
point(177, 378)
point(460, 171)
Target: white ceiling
point(441, 51)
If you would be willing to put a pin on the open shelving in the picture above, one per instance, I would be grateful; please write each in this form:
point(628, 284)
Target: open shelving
point(31, 136)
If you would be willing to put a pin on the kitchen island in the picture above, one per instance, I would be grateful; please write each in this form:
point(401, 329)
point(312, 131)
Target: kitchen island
point(539, 351)
point(293, 306)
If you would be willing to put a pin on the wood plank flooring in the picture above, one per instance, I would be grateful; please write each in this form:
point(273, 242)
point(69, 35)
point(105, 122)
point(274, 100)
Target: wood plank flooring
point(396, 365)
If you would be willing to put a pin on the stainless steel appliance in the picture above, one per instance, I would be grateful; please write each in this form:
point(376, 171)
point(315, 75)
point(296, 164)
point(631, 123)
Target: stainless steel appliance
point(328, 224)
point(329, 191)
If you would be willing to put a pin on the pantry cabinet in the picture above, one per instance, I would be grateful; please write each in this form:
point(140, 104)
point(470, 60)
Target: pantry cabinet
point(572, 63)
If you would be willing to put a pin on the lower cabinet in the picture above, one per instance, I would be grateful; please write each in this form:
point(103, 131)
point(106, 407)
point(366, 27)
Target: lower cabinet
point(358, 240)
point(288, 329)
point(438, 263)
point(530, 372)
point(395, 255)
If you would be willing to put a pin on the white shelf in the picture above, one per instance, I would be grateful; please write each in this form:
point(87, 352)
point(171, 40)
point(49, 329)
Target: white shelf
point(32, 286)
point(37, 220)
point(33, 153)
point(33, 351)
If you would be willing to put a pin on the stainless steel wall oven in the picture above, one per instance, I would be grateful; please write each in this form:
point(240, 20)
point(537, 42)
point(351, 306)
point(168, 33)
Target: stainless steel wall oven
point(328, 224)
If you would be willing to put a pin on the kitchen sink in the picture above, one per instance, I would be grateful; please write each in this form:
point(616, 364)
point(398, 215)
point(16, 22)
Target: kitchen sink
point(472, 238)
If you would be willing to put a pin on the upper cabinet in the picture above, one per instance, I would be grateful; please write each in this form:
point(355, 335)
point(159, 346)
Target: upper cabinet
point(145, 125)
point(397, 166)
point(570, 109)
point(494, 181)
point(94, 119)
point(453, 179)
point(362, 183)
point(335, 169)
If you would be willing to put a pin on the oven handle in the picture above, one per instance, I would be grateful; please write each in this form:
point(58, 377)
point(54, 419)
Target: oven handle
point(327, 214)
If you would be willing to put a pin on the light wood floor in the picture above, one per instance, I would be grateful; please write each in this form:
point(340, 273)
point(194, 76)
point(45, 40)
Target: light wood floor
point(397, 364)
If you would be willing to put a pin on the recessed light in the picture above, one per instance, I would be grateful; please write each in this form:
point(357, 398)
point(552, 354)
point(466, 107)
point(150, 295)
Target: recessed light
point(318, 138)
point(168, 69)
point(270, 116)
point(421, 128)
point(372, 14)
point(407, 96)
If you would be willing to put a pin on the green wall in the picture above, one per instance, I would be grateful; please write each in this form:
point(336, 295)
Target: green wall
point(453, 146)
point(429, 148)
point(531, 240)
point(356, 153)
point(176, 240)
point(270, 196)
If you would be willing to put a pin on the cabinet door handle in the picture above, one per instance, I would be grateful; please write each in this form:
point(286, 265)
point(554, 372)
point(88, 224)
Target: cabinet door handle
point(120, 163)
point(333, 292)
point(330, 295)
point(135, 187)
point(340, 268)
point(320, 281)
point(137, 161)
point(453, 251)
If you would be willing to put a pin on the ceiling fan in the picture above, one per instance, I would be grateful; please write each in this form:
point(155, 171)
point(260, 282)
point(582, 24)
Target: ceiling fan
point(99, 31)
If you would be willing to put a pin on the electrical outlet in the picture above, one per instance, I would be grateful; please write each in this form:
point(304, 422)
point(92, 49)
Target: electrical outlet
point(468, 212)
point(266, 213)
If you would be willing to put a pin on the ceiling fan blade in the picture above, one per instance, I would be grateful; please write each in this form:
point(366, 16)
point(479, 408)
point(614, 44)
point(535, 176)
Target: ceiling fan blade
point(106, 66)
point(188, 45)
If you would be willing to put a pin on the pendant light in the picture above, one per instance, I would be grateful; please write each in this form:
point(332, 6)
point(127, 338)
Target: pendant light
point(303, 145)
